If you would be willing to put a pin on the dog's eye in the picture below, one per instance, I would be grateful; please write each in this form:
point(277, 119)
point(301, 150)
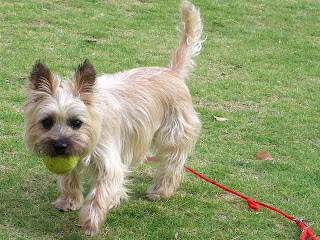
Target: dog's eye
point(47, 123)
point(75, 124)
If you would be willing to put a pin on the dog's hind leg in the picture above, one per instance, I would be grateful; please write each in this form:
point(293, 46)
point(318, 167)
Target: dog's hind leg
point(173, 143)
point(170, 173)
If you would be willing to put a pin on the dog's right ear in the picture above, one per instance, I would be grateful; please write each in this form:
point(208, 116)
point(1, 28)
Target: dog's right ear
point(41, 79)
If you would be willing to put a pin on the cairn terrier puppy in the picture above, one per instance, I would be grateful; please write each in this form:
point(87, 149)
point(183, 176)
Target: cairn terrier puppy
point(110, 122)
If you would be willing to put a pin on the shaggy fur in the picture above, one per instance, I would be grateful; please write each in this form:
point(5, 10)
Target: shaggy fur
point(112, 121)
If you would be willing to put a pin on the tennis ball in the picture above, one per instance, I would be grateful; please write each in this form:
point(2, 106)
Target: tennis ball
point(61, 164)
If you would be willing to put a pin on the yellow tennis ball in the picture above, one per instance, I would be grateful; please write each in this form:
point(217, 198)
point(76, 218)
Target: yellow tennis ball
point(61, 164)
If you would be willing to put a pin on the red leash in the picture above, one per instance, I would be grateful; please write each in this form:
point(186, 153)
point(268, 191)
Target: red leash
point(254, 204)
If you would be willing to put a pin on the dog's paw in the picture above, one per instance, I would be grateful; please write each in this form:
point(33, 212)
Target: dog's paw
point(67, 204)
point(89, 229)
point(90, 221)
point(153, 196)
point(155, 193)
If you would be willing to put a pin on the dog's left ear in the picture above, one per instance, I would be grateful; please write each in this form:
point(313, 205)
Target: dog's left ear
point(85, 78)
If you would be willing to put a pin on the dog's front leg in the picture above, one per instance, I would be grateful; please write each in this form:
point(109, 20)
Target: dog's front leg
point(106, 192)
point(96, 206)
point(70, 192)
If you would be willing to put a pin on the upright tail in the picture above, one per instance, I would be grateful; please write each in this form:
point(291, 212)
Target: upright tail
point(190, 41)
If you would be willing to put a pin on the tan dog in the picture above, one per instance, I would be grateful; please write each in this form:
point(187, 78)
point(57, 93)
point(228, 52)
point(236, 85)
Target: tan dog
point(112, 121)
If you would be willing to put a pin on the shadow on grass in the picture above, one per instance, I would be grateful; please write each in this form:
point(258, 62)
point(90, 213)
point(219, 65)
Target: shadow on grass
point(27, 210)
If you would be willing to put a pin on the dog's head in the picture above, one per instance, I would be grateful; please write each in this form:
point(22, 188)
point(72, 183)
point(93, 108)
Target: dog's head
point(62, 120)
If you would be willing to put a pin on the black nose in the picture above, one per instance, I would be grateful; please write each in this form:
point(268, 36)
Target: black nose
point(60, 147)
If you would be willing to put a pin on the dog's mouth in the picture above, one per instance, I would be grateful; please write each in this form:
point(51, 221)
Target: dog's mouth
point(49, 151)
point(64, 155)
point(54, 148)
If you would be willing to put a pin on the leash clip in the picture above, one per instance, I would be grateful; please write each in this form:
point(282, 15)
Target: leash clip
point(300, 220)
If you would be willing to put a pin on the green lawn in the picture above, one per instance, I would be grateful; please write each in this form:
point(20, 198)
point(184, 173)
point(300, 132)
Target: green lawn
point(259, 67)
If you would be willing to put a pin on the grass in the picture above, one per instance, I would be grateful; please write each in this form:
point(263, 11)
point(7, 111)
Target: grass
point(260, 68)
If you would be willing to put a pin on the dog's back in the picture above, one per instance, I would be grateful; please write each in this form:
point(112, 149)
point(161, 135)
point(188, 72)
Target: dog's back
point(155, 102)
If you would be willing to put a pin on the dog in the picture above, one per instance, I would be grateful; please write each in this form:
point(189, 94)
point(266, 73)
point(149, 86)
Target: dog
point(112, 121)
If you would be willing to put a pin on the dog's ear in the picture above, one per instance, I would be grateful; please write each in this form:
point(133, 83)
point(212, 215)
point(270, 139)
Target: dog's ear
point(85, 78)
point(41, 79)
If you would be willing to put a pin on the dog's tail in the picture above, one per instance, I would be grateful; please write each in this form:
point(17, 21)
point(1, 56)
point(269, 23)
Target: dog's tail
point(190, 43)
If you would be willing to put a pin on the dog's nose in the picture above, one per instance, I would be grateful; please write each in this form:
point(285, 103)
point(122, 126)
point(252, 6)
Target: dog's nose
point(60, 147)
